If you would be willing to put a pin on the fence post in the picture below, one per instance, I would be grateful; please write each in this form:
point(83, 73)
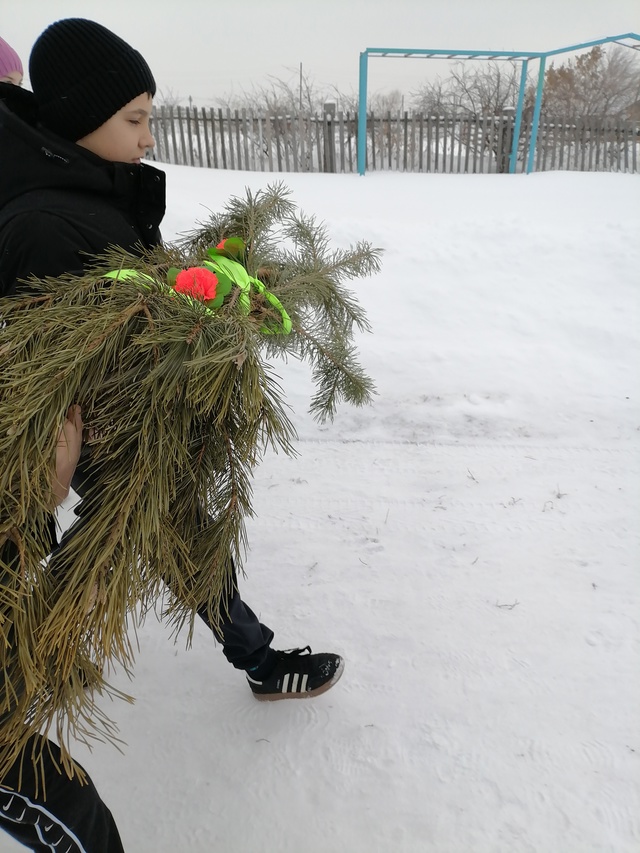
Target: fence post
point(506, 140)
point(328, 113)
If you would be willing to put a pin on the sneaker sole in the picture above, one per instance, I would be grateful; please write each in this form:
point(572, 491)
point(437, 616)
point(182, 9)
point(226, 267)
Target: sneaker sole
point(275, 697)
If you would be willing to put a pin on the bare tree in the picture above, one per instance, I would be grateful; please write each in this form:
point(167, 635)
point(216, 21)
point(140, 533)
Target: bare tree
point(379, 103)
point(297, 93)
point(300, 93)
point(485, 89)
point(603, 83)
point(168, 98)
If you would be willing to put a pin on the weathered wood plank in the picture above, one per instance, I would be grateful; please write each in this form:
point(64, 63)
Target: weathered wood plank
point(319, 149)
point(238, 140)
point(268, 135)
point(459, 126)
point(294, 143)
point(214, 146)
point(562, 145)
point(351, 131)
point(245, 140)
point(284, 136)
point(251, 141)
point(189, 135)
point(304, 167)
point(543, 137)
point(229, 141)
point(223, 147)
point(205, 129)
point(165, 136)
point(261, 142)
point(183, 147)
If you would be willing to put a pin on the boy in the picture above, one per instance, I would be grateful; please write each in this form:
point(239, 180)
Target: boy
point(72, 184)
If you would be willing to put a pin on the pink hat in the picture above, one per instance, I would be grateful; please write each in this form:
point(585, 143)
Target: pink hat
point(9, 59)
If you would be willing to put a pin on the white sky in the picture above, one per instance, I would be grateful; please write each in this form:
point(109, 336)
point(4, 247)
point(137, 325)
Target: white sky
point(208, 48)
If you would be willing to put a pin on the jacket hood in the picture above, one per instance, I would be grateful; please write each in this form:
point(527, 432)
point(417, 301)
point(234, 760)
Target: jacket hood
point(33, 158)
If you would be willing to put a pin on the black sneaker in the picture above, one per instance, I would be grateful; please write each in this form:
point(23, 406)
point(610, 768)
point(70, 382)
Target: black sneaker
point(298, 674)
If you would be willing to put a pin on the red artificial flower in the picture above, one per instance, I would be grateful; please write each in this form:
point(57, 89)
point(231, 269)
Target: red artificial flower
point(197, 282)
point(221, 244)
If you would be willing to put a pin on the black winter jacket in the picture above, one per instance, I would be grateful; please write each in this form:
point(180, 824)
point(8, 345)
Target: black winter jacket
point(61, 204)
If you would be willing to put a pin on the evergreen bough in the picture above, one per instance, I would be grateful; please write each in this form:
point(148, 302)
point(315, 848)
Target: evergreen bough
point(180, 402)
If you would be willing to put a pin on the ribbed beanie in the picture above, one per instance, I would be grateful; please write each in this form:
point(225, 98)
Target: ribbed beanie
point(9, 59)
point(81, 74)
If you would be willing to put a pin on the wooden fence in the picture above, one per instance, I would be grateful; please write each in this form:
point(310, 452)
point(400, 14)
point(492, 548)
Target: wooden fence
point(222, 139)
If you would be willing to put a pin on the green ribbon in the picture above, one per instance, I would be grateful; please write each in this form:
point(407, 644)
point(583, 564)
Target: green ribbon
point(231, 270)
point(220, 264)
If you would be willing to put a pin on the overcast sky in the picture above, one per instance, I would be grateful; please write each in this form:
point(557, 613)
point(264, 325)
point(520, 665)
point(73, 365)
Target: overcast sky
point(209, 48)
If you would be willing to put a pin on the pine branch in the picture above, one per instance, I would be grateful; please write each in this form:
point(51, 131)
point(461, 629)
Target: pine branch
point(181, 403)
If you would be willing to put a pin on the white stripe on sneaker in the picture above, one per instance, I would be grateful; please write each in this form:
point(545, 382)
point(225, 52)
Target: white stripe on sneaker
point(285, 683)
point(294, 682)
point(303, 686)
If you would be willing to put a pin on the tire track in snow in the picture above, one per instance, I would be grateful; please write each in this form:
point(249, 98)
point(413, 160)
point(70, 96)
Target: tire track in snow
point(496, 447)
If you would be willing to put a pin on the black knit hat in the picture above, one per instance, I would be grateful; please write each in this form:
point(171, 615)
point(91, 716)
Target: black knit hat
point(81, 74)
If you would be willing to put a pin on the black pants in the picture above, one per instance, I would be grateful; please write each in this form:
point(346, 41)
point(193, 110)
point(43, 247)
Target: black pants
point(72, 818)
point(245, 640)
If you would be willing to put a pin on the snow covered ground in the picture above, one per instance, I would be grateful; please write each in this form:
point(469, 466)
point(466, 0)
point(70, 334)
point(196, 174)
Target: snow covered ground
point(469, 543)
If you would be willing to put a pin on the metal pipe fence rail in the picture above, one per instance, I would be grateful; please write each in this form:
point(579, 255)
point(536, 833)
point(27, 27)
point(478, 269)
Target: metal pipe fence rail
point(242, 139)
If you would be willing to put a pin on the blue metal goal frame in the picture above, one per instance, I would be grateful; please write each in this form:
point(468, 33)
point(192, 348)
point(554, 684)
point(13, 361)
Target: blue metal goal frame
point(517, 56)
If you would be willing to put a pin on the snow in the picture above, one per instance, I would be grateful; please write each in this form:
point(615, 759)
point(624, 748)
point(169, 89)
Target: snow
point(469, 543)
